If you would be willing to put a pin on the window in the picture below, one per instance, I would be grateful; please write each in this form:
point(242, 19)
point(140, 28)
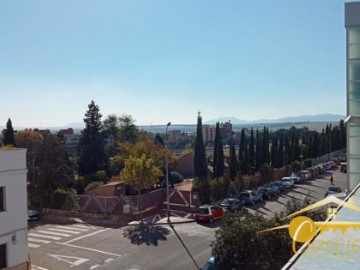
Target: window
point(3, 259)
point(2, 199)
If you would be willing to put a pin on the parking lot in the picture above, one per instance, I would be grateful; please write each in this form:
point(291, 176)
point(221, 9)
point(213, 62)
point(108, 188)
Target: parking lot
point(83, 246)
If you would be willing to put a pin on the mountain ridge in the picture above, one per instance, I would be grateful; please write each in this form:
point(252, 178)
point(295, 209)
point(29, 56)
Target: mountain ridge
point(325, 117)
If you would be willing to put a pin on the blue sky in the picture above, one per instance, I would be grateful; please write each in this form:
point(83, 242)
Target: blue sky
point(161, 60)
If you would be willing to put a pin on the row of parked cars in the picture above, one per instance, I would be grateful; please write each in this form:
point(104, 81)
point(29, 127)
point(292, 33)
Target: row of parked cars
point(210, 213)
point(251, 197)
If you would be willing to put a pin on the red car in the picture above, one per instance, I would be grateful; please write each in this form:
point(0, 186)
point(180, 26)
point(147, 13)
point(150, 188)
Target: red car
point(209, 213)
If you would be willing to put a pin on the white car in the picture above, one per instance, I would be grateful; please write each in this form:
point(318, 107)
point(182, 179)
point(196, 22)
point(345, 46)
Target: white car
point(288, 181)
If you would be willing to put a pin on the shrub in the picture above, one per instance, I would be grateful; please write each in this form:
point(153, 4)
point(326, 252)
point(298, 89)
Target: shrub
point(219, 187)
point(59, 198)
point(175, 178)
point(93, 185)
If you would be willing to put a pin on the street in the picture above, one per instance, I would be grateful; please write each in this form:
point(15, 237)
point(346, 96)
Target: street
point(146, 247)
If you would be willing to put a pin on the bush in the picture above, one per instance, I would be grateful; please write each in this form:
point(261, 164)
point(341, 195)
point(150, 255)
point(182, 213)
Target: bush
point(59, 198)
point(93, 185)
point(219, 187)
point(175, 178)
point(95, 177)
point(202, 186)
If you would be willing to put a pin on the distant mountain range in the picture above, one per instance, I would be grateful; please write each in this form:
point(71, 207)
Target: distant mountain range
point(77, 126)
point(288, 119)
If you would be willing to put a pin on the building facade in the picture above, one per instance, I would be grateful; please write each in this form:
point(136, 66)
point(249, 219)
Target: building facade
point(352, 25)
point(13, 210)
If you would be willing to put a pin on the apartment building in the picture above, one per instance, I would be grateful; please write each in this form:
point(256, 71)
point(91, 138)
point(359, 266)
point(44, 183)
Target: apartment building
point(13, 210)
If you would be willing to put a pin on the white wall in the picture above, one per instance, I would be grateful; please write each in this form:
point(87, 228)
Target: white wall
point(13, 221)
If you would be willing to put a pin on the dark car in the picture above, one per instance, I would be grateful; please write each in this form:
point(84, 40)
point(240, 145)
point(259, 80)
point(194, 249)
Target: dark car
point(267, 192)
point(210, 264)
point(232, 204)
point(250, 197)
point(335, 191)
point(33, 213)
point(278, 184)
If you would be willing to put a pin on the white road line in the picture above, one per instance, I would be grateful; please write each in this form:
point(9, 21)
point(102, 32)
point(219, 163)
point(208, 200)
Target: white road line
point(94, 266)
point(81, 226)
point(45, 236)
point(87, 235)
point(109, 260)
point(91, 249)
point(54, 233)
point(38, 240)
point(34, 267)
point(33, 245)
point(72, 228)
point(63, 230)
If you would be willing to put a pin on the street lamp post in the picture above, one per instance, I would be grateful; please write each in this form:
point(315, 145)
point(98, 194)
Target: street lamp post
point(167, 176)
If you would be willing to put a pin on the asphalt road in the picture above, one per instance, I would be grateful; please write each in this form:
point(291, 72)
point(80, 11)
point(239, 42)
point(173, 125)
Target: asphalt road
point(82, 246)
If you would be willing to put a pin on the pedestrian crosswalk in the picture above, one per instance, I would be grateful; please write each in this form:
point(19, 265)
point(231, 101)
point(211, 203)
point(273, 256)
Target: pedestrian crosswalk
point(45, 235)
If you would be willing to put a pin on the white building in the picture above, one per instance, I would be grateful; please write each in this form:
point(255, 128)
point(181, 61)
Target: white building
point(13, 209)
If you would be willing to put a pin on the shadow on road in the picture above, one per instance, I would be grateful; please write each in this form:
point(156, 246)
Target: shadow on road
point(146, 234)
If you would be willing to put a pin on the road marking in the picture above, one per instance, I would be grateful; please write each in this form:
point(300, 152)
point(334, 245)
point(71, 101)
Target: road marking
point(87, 235)
point(109, 260)
point(91, 249)
point(74, 261)
point(82, 226)
point(33, 245)
point(72, 228)
point(94, 266)
point(54, 233)
point(38, 240)
point(63, 230)
point(45, 236)
point(34, 267)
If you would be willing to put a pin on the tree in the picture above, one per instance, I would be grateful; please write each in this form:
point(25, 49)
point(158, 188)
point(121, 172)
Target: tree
point(252, 148)
point(141, 173)
point(219, 154)
point(240, 245)
point(258, 155)
point(200, 165)
point(216, 145)
point(91, 145)
point(9, 134)
point(233, 164)
point(48, 164)
point(128, 131)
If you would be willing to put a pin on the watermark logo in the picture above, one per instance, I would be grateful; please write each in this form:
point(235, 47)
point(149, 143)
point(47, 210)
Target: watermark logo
point(303, 229)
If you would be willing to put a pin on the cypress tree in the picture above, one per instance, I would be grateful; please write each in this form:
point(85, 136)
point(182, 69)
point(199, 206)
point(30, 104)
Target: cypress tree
point(274, 154)
point(233, 161)
point(257, 151)
point(91, 146)
point(9, 134)
point(200, 163)
point(242, 145)
point(281, 151)
point(216, 145)
point(252, 149)
point(219, 165)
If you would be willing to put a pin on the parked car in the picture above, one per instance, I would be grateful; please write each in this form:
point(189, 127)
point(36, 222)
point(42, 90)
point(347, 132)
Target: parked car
point(296, 179)
point(343, 167)
point(306, 174)
point(267, 192)
point(210, 264)
point(280, 185)
point(33, 213)
point(287, 181)
point(232, 204)
point(336, 191)
point(209, 213)
point(250, 197)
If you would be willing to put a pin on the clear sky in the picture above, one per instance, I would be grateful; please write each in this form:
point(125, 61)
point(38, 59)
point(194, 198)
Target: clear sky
point(164, 60)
